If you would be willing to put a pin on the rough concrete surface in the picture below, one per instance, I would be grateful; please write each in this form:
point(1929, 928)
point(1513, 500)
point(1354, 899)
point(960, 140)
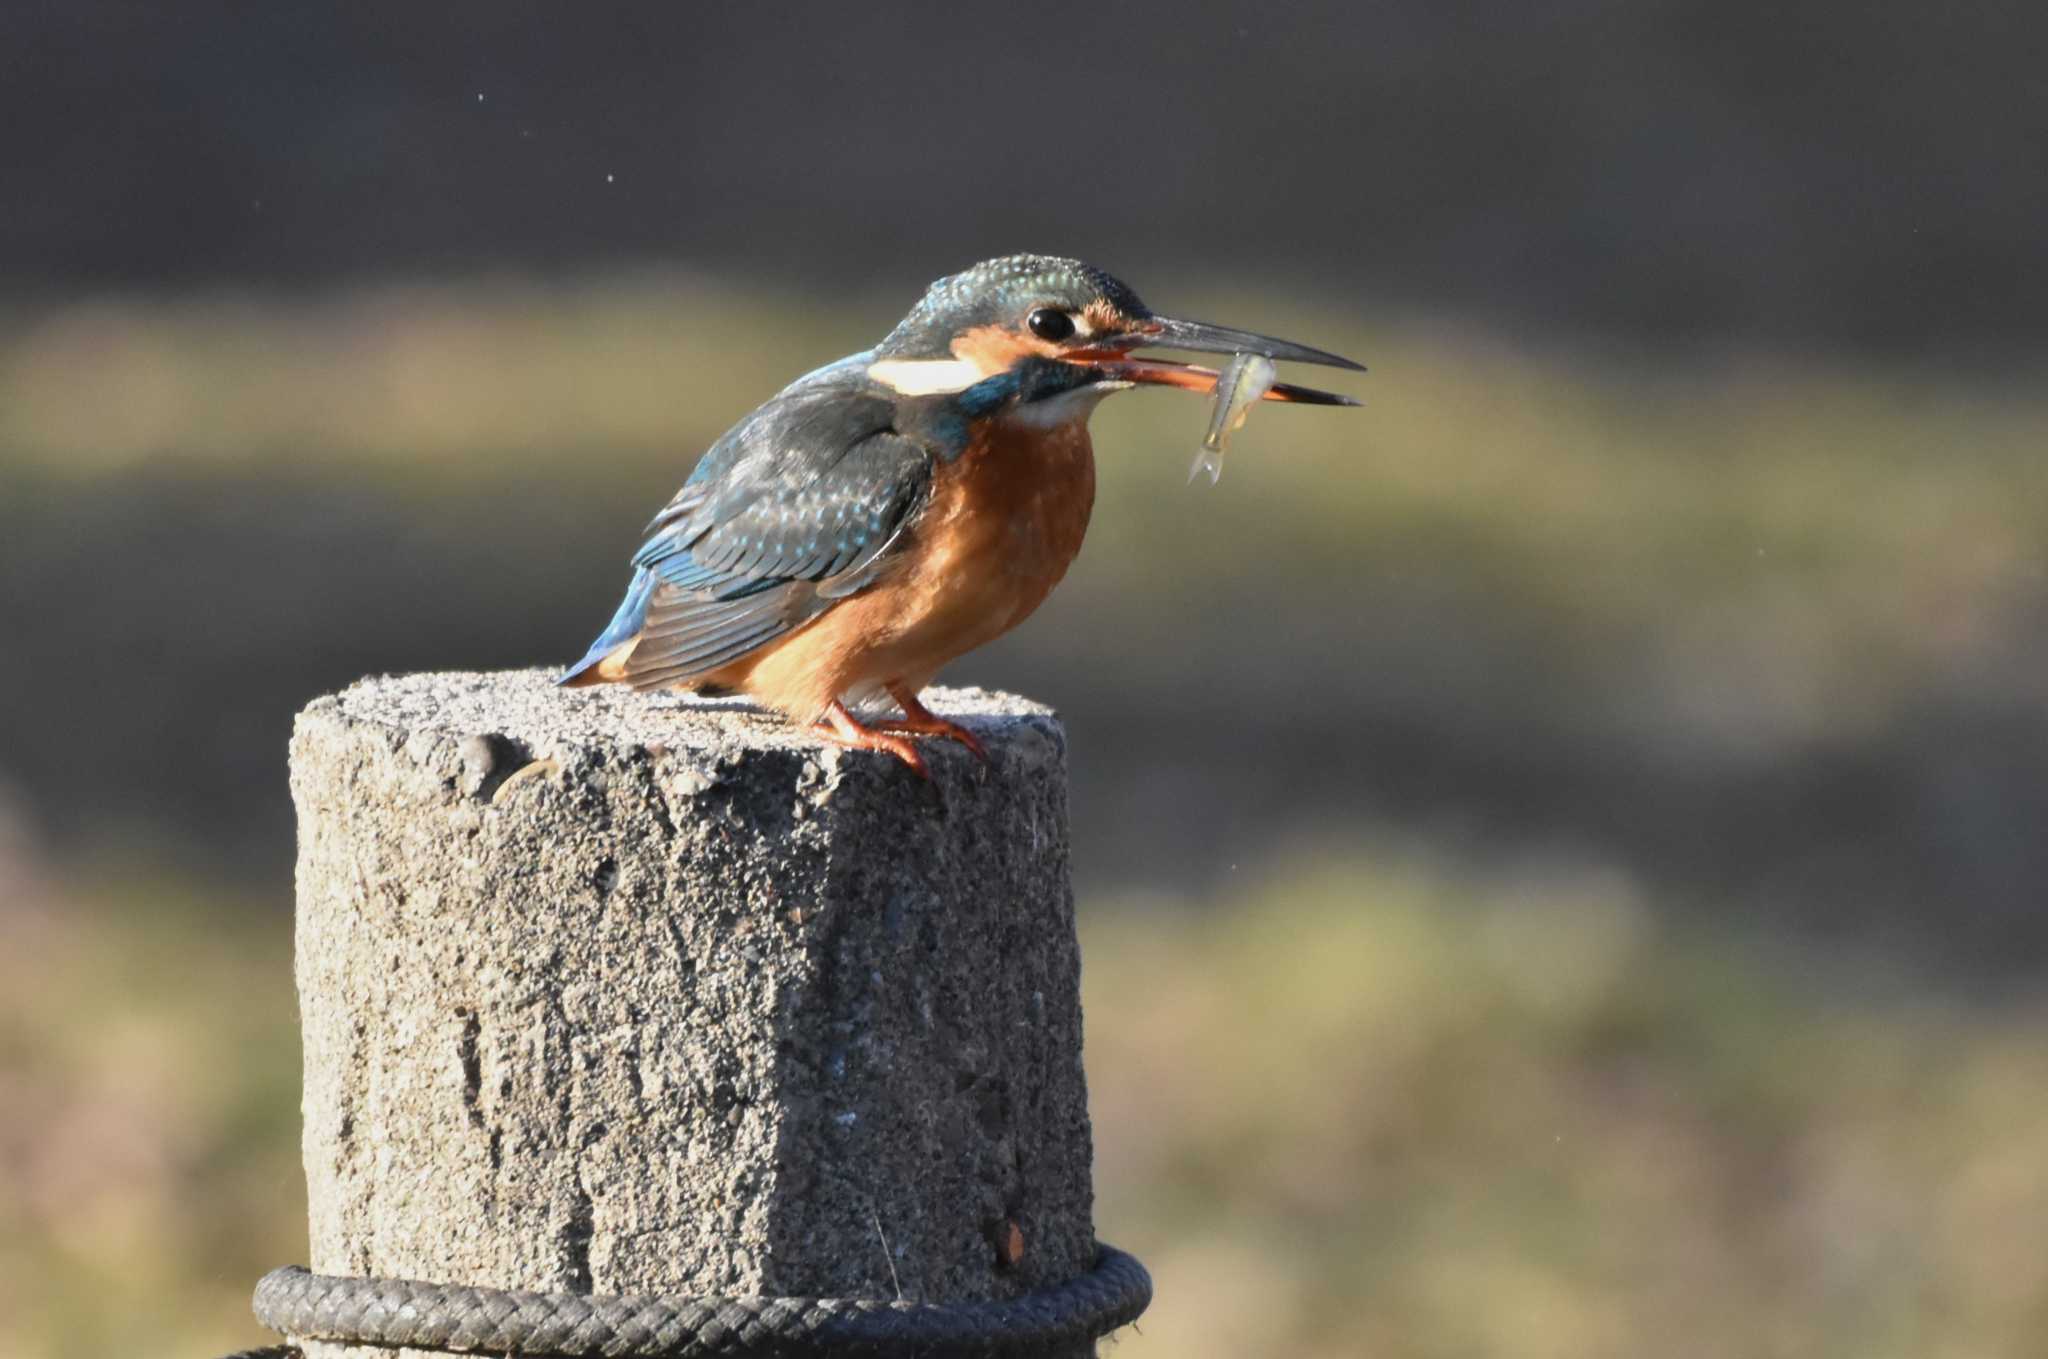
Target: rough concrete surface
point(612, 992)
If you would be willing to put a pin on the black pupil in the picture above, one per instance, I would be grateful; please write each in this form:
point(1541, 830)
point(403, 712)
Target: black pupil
point(1050, 324)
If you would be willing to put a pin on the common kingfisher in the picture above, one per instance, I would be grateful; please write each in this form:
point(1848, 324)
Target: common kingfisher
point(896, 509)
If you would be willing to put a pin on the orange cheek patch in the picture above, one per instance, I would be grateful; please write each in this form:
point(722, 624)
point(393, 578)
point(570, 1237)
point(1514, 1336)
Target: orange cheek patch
point(993, 349)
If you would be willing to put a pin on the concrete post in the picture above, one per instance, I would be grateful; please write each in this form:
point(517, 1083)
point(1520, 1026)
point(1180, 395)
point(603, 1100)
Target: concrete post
point(612, 993)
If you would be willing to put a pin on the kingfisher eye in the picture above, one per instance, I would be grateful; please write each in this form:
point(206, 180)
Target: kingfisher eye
point(1050, 323)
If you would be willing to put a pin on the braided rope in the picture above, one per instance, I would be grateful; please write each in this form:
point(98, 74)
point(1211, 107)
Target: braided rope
point(396, 1312)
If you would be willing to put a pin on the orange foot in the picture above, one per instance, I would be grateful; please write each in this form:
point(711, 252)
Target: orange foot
point(841, 728)
point(919, 720)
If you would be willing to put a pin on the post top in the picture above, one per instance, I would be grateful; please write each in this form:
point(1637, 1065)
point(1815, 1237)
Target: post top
point(527, 706)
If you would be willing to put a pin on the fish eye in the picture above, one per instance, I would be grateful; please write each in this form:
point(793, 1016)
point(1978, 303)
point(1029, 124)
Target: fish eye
point(1050, 323)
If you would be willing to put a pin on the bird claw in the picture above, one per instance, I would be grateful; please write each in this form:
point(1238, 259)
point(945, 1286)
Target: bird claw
point(919, 720)
point(937, 726)
point(841, 728)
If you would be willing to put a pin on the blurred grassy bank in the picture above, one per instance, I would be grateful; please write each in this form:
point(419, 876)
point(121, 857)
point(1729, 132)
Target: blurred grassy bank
point(1375, 1104)
point(1560, 846)
point(1767, 631)
point(1390, 1106)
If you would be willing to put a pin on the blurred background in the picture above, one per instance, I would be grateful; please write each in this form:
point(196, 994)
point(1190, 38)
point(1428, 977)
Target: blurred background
point(1562, 874)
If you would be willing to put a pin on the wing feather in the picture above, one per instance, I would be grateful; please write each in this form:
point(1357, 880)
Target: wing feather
point(736, 566)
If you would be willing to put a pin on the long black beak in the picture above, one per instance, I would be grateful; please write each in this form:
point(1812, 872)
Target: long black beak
point(1204, 338)
point(1112, 357)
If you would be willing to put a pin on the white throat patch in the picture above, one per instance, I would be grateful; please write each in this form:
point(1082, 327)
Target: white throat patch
point(925, 377)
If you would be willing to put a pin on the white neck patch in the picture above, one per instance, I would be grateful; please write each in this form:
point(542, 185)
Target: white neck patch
point(925, 377)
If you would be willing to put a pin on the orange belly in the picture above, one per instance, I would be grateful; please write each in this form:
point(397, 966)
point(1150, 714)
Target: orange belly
point(1004, 522)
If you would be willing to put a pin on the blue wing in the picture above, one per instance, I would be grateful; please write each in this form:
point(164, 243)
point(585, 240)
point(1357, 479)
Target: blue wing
point(795, 509)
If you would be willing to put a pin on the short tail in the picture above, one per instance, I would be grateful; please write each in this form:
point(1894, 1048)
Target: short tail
point(625, 626)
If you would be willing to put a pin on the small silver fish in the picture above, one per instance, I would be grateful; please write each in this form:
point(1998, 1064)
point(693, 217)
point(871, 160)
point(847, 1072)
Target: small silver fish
point(1245, 379)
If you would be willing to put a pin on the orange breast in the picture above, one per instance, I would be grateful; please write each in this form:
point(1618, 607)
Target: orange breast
point(1004, 522)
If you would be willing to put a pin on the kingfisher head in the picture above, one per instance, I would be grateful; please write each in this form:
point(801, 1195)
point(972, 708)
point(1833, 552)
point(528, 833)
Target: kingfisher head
point(1027, 331)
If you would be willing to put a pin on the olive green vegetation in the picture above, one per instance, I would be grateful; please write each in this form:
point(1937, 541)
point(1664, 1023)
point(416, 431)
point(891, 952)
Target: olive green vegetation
point(149, 1079)
point(1377, 1105)
point(1767, 548)
point(1389, 1107)
point(1397, 1082)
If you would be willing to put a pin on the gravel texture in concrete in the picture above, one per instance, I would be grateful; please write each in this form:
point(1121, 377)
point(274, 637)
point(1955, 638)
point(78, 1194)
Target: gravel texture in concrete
point(614, 992)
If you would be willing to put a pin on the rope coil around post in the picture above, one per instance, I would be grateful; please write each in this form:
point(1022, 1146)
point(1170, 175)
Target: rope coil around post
point(456, 1319)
